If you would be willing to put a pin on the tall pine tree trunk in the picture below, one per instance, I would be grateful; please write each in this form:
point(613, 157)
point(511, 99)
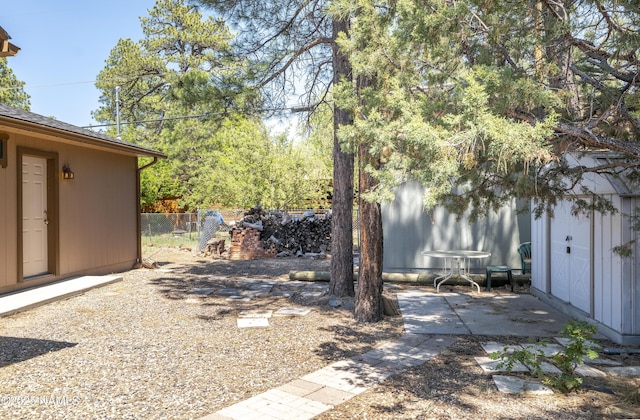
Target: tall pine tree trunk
point(341, 283)
point(369, 307)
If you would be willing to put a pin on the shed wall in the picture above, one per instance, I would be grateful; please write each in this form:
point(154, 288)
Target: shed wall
point(540, 273)
point(409, 230)
point(609, 269)
point(630, 288)
point(615, 290)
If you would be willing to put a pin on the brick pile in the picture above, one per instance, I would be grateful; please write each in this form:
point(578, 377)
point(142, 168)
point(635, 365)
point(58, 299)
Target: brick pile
point(246, 245)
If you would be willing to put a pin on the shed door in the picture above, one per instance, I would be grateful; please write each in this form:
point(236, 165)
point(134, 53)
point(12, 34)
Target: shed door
point(34, 216)
point(570, 253)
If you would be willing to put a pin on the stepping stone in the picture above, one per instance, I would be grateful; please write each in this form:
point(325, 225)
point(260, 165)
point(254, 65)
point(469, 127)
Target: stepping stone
point(317, 287)
point(253, 323)
point(256, 293)
point(624, 370)
point(201, 291)
point(296, 284)
point(548, 350)
point(238, 299)
point(490, 366)
point(283, 293)
point(230, 292)
point(601, 361)
point(549, 368)
point(292, 312)
point(586, 370)
point(565, 342)
point(262, 287)
point(514, 385)
point(256, 313)
point(493, 347)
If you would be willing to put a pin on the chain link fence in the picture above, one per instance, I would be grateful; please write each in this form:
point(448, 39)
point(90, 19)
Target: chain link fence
point(196, 229)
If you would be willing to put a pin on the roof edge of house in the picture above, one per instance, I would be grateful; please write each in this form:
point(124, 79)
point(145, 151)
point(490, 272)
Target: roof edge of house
point(26, 120)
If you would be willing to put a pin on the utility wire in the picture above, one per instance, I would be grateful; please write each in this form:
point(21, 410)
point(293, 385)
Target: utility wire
point(294, 109)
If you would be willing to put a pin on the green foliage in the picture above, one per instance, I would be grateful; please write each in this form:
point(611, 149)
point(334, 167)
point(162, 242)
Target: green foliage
point(182, 91)
point(481, 103)
point(530, 356)
point(580, 346)
point(12, 91)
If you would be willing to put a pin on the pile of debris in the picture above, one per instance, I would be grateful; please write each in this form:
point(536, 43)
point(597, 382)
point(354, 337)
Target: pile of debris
point(282, 234)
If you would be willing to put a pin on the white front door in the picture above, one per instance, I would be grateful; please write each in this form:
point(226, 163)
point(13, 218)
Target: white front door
point(34, 216)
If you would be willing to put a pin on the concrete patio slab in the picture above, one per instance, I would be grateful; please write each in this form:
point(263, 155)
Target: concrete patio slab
point(506, 314)
point(429, 313)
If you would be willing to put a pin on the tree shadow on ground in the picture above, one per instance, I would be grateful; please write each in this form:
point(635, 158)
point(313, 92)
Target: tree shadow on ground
point(19, 349)
point(452, 385)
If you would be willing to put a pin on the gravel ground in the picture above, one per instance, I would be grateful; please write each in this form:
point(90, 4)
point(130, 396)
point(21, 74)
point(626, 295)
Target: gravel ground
point(145, 348)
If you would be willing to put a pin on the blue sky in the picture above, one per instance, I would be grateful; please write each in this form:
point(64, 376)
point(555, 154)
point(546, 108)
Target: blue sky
point(64, 45)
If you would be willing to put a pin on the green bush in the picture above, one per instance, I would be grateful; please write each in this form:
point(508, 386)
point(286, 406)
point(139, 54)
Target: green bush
point(567, 361)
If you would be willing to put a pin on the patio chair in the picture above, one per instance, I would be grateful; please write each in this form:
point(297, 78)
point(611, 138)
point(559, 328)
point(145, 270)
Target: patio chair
point(525, 256)
point(499, 269)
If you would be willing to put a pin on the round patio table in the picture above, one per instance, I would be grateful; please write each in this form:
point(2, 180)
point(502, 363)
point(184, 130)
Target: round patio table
point(455, 262)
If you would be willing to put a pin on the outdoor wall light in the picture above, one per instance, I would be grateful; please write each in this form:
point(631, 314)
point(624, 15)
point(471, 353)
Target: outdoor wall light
point(67, 173)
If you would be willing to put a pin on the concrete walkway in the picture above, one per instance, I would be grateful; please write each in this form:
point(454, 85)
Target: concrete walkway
point(321, 390)
point(30, 298)
point(432, 322)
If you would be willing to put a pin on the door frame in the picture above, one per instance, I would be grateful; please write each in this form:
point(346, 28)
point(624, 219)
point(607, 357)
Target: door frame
point(53, 228)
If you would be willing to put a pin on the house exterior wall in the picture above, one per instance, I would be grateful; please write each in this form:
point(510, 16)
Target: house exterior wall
point(8, 217)
point(97, 210)
point(409, 230)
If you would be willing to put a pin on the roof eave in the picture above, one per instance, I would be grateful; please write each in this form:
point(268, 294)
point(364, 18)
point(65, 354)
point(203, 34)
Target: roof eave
point(79, 138)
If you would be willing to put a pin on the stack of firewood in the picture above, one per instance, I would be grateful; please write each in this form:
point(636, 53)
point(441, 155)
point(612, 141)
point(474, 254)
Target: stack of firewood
point(306, 234)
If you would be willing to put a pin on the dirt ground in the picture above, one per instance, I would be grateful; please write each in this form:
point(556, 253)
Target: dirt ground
point(451, 385)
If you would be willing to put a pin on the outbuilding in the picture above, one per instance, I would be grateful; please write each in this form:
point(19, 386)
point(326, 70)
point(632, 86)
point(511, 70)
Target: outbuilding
point(575, 268)
point(69, 200)
point(408, 230)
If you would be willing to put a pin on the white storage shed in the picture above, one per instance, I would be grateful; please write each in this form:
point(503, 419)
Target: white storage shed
point(574, 267)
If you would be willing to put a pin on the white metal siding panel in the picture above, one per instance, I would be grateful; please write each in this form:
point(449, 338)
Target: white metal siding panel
point(539, 252)
point(409, 230)
point(616, 273)
point(607, 268)
point(630, 284)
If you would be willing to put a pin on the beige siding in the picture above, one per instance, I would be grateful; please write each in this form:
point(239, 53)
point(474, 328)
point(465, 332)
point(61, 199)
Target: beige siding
point(8, 231)
point(97, 210)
